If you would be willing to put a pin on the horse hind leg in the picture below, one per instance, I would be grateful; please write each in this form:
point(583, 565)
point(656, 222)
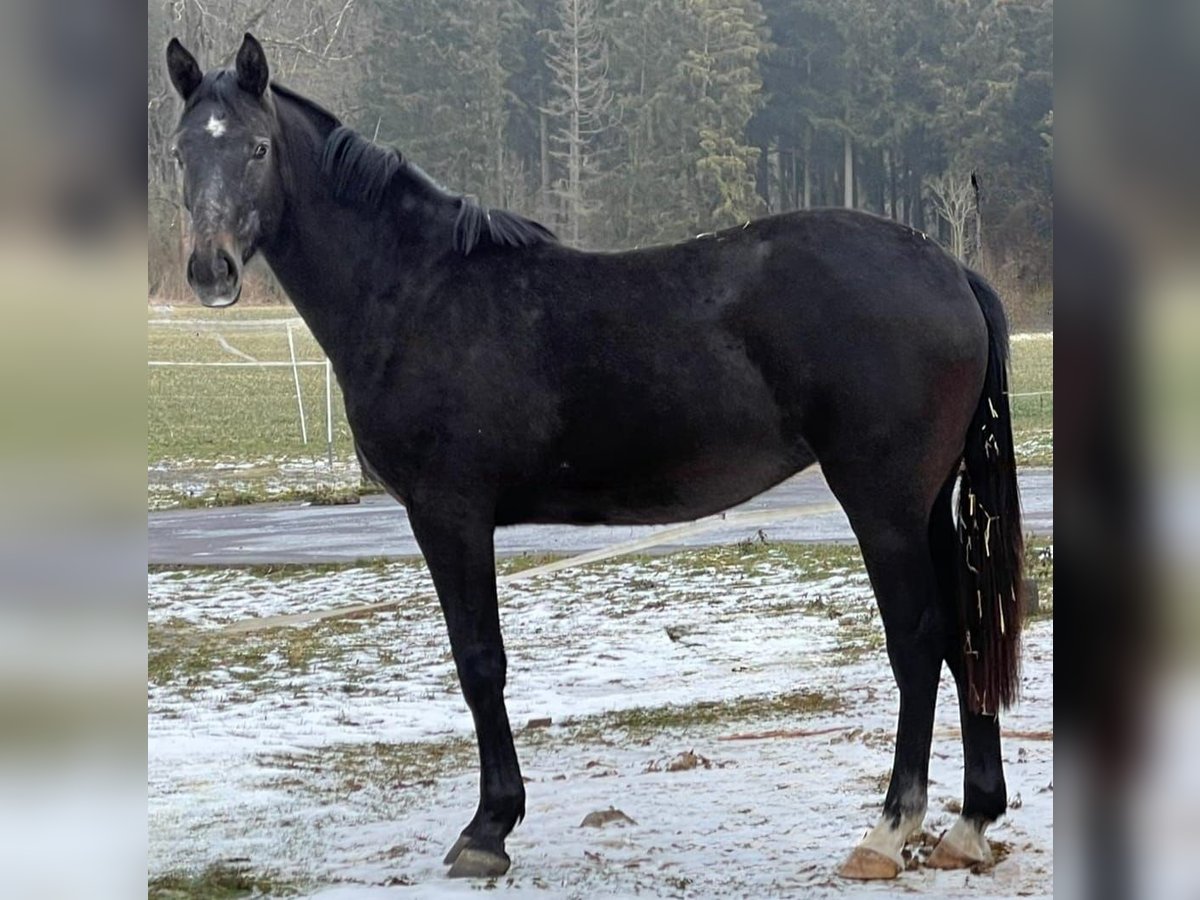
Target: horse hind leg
point(895, 548)
point(984, 792)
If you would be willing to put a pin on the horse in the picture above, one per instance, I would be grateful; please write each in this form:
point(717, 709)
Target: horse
point(494, 376)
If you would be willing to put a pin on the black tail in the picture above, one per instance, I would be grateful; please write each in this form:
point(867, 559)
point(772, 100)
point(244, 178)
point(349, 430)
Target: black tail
point(991, 578)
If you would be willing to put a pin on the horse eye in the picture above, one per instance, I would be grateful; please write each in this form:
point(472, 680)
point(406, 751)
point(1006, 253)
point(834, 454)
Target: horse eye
point(261, 150)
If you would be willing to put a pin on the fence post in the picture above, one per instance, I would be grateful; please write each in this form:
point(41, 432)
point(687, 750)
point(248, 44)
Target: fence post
point(329, 412)
point(296, 378)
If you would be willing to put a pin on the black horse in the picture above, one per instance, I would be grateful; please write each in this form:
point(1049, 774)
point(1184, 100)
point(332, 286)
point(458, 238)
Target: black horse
point(494, 376)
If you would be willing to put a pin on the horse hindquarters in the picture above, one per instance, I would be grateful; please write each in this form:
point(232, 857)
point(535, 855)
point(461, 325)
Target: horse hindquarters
point(947, 581)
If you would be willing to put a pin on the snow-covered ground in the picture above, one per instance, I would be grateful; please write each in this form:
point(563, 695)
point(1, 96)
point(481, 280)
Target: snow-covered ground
point(171, 481)
point(339, 757)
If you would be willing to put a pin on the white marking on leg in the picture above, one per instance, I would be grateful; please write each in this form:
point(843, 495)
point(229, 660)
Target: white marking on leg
point(889, 840)
point(965, 839)
point(215, 126)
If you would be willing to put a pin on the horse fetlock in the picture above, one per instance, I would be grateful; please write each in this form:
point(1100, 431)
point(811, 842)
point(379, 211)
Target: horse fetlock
point(985, 803)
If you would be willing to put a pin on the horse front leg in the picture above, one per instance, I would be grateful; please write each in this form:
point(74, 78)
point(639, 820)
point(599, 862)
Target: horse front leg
point(457, 545)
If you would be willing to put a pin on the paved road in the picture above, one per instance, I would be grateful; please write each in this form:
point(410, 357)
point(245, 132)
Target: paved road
point(378, 527)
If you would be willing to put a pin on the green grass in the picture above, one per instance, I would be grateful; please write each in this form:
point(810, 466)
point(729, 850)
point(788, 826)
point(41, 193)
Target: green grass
point(237, 414)
point(1039, 565)
point(204, 421)
point(220, 881)
point(1033, 417)
point(181, 654)
point(642, 723)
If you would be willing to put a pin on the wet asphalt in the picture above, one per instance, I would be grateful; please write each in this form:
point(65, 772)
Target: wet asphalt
point(378, 527)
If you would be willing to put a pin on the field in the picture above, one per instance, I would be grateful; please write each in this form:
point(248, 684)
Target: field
point(221, 435)
point(735, 704)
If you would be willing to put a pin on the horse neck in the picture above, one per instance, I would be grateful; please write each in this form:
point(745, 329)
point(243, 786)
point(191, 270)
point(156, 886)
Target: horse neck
point(338, 262)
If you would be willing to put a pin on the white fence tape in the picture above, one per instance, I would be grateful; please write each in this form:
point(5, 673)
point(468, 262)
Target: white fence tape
point(224, 324)
point(268, 363)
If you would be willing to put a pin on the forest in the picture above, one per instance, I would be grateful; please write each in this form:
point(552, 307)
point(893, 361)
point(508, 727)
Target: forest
point(625, 123)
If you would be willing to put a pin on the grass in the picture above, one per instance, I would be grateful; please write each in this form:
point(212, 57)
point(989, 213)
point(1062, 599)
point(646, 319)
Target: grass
point(183, 655)
point(219, 881)
point(642, 723)
point(226, 436)
point(1039, 565)
point(388, 769)
point(1033, 417)
point(240, 414)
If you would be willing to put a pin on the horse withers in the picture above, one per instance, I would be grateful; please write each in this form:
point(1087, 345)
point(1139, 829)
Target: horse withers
point(494, 376)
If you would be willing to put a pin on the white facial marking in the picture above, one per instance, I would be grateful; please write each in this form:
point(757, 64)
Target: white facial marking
point(215, 126)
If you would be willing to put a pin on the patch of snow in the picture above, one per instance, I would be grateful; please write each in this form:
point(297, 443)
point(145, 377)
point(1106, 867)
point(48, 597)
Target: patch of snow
point(241, 759)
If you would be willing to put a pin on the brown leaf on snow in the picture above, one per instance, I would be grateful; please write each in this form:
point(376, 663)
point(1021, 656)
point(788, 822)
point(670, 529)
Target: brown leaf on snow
point(602, 817)
point(686, 760)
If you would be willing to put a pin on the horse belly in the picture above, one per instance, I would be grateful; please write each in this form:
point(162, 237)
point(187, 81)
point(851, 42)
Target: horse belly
point(689, 489)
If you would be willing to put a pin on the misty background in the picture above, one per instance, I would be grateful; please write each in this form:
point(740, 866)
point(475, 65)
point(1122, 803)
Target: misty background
point(624, 123)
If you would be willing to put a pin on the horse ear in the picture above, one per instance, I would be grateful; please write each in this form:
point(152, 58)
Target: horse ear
point(252, 73)
point(183, 68)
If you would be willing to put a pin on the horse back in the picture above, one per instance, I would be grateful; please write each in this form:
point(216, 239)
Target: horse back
point(667, 383)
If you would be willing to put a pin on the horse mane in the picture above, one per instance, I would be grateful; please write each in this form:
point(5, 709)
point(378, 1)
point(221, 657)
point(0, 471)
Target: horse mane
point(499, 227)
point(361, 171)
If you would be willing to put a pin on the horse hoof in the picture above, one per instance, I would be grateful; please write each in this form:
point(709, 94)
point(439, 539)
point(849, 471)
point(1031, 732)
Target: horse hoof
point(458, 848)
point(962, 847)
point(865, 864)
point(472, 863)
point(946, 857)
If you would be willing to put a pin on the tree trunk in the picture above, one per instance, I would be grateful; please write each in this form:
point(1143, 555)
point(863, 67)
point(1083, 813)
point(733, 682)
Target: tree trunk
point(808, 161)
point(544, 151)
point(978, 260)
point(891, 166)
point(848, 171)
point(916, 205)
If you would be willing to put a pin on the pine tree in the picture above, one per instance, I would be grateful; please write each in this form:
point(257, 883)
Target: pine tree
point(720, 79)
point(435, 88)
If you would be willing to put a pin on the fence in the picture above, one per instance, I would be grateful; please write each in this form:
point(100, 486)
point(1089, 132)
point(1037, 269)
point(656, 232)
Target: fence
point(222, 389)
point(246, 388)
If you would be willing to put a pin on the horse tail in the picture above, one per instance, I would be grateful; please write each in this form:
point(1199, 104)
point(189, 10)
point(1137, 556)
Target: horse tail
point(988, 520)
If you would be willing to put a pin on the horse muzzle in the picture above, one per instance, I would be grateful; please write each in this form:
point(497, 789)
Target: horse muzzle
point(216, 277)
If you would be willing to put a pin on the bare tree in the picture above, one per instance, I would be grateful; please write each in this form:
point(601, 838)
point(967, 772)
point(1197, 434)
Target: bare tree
point(953, 199)
point(578, 57)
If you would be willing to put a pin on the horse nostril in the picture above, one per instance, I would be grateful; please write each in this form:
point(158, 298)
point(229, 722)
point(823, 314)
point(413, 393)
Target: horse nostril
point(223, 266)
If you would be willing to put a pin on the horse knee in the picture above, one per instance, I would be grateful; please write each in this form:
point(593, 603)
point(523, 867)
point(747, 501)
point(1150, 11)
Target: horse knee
point(481, 670)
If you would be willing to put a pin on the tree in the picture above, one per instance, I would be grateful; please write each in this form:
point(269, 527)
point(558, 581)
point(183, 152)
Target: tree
point(578, 57)
point(720, 75)
point(953, 198)
point(435, 87)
